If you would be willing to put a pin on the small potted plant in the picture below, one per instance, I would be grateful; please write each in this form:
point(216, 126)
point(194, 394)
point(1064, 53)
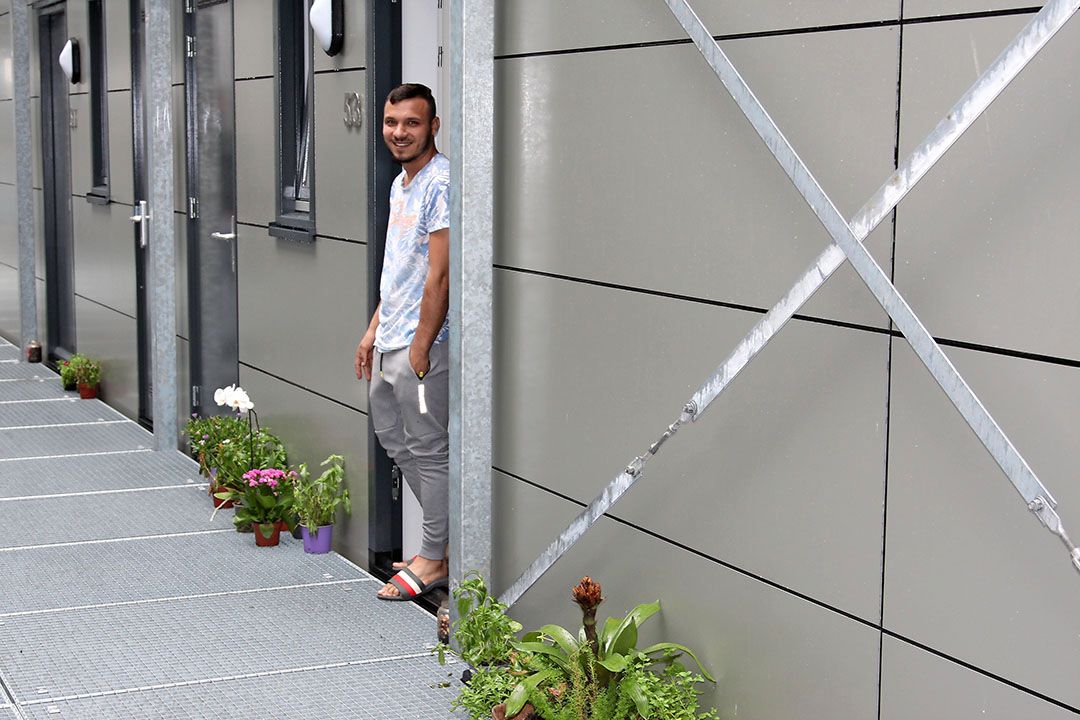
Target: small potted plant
point(209, 438)
point(67, 372)
point(265, 499)
point(551, 674)
point(87, 372)
point(316, 502)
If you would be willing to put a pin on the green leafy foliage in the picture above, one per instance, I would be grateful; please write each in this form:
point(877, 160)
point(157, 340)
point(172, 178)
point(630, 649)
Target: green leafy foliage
point(483, 631)
point(207, 434)
point(85, 370)
point(67, 370)
point(316, 501)
point(564, 676)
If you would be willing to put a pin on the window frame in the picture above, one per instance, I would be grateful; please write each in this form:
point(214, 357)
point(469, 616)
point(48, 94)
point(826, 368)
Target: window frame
point(294, 91)
point(99, 193)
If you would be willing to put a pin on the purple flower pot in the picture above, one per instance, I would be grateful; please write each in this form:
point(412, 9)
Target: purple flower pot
point(320, 542)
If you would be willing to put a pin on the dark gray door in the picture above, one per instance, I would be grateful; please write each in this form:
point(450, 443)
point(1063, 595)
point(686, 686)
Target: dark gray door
point(55, 154)
point(211, 172)
point(141, 178)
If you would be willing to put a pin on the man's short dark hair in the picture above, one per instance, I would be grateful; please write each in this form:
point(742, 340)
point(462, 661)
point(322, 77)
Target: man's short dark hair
point(408, 91)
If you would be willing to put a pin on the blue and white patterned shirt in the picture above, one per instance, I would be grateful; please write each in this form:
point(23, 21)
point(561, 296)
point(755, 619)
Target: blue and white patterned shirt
point(416, 211)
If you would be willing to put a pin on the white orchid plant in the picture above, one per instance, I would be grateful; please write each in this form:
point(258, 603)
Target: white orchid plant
point(235, 397)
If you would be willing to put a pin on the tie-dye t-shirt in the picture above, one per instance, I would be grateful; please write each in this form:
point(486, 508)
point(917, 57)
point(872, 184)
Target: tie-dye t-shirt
point(416, 210)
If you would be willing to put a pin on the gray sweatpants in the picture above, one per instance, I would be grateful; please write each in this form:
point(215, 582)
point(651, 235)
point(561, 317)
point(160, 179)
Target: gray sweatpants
point(411, 418)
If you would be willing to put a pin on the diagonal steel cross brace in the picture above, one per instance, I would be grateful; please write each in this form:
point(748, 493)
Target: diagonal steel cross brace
point(847, 242)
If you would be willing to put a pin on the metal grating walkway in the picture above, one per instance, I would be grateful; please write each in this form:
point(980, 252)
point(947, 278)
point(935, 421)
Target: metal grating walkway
point(119, 598)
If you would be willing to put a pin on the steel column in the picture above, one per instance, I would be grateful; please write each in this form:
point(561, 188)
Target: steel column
point(24, 172)
point(472, 111)
point(162, 274)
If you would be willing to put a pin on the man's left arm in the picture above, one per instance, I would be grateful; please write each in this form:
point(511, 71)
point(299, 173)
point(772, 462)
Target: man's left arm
point(435, 302)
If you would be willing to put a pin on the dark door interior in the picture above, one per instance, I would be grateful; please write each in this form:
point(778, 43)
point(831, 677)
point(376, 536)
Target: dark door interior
point(211, 172)
point(141, 179)
point(56, 178)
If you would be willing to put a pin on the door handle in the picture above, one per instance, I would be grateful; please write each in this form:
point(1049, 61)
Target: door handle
point(141, 216)
point(223, 236)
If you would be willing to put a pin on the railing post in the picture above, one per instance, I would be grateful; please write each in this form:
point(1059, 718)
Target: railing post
point(24, 172)
point(471, 150)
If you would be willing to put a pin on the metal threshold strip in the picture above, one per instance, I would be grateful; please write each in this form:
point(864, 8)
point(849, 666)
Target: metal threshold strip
point(847, 244)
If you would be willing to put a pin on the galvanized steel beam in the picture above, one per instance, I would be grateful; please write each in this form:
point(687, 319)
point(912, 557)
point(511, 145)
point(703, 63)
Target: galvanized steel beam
point(162, 286)
point(970, 106)
point(472, 113)
point(24, 173)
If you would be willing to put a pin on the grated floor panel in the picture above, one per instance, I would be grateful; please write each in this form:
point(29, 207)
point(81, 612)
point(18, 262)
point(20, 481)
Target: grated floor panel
point(9, 352)
point(87, 651)
point(100, 517)
point(96, 472)
point(26, 370)
point(392, 690)
point(31, 390)
point(72, 410)
point(63, 577)
point(42, 442)
point(9, 714)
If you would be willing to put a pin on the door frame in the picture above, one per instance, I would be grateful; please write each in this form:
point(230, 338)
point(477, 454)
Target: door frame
point(58, 233)
point(140, 186)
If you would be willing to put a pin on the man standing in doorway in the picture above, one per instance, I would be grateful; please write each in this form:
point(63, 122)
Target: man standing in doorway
point(405, 353)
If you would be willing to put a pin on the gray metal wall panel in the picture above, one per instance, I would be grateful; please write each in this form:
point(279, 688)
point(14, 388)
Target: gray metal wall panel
point(775, 655)
point(35, 137)
point(255, 151)
point(7, 78)
point(969, 571)
point(635, 167)
point(104, 255)
point(302, 311)
point(179, 150)
point(10, 323)
point(110, 337)
point(530, 26)
point(9, 236)
point(987, 244)
point(340, 160)
point(118, 44)
point(918, 684)
point(7, 146)
point(121, 184)
point(82, 178)
point(572, 419)
point(934, 8)
point(313, 428)
point(254, 36)
point(354, 49)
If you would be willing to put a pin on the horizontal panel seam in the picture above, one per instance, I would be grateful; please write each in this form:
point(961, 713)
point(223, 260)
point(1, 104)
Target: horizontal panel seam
point(840, 27)
point(301, 387)
point(103, 305)
point(777, 586)
point(947, 342)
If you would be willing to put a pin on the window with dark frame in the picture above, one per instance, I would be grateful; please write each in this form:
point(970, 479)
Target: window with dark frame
point(295, 187)
point(99, 105)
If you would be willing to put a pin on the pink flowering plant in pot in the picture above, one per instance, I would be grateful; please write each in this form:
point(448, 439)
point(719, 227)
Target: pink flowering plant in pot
point(264, 498)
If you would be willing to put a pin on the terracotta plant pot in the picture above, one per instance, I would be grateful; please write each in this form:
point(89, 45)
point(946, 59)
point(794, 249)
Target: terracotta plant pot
point(218, 502)
point(87, 392)
point(262, 540)
point(499, 713)
point(282, 526)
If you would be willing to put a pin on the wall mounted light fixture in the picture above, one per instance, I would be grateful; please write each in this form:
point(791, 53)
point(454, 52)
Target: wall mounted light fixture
point(327, 19)
point(70, 62)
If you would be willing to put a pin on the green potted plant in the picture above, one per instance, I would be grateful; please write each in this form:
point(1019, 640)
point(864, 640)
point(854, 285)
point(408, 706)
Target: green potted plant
point(209, 437)
point(265, 498)
point(316, 502)
point(597, 674)
point(87, 374)
point(67, 372)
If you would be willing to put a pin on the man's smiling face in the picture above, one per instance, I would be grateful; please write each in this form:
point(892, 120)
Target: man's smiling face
point(408, 130)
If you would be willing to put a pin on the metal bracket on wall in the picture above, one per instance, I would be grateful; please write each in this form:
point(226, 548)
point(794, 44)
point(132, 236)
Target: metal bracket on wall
point(847, 244)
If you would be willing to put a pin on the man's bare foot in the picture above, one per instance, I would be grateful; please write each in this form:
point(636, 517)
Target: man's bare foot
point(426, 569)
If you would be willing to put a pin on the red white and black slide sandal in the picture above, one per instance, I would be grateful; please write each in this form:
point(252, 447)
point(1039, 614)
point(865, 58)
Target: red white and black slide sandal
point(410, 586)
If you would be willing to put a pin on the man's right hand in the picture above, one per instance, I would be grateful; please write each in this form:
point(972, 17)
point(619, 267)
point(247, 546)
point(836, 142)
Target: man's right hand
point(362, 363)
